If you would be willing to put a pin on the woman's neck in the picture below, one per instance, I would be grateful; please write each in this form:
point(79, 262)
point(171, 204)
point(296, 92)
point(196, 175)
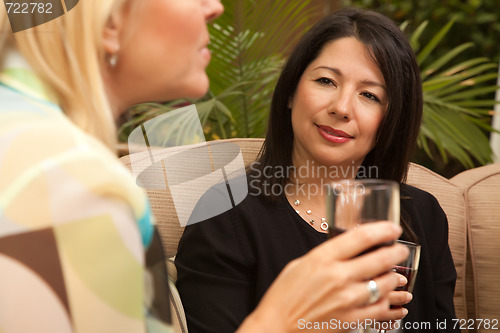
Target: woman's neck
point(312, 172)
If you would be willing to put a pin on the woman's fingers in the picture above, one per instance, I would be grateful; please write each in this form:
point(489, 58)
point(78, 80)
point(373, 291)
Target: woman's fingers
point(382, 313)
point(396, 300)
point(399, 298)
point(377, 262)
point(360, 294)
point(384, 286)
point(378, 313)
point(355, 241)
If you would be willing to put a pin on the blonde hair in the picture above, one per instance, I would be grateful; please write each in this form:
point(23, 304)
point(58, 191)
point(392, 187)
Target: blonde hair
point(5, 34)
point(67, 55)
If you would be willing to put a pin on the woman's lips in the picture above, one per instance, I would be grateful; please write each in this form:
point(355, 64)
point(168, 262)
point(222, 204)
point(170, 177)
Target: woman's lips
point(333, 135)
point(205, 53)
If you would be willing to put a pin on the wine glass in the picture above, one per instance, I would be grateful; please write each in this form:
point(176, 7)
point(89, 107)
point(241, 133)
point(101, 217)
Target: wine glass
point(353, 202)
point(408, 268)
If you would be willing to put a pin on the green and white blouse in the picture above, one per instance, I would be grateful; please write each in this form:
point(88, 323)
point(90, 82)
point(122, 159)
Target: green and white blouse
point(74, 226)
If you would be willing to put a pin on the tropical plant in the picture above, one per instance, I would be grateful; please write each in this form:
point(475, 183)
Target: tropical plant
point(456, 113)
point(475, 20)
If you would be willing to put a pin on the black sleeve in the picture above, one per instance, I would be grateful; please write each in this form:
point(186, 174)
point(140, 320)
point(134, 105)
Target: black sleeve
point(434, 288)
point(214, 273)
point(445, 275)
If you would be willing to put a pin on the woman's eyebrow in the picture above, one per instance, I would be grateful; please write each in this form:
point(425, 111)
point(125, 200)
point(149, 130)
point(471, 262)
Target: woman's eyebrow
point(331, 69)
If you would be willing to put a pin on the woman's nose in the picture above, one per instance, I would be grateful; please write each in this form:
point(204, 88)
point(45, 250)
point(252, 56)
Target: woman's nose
point(213, 9)
point(341, 106)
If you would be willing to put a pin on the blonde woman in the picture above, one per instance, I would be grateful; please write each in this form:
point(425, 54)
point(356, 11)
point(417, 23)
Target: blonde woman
point(74, 227)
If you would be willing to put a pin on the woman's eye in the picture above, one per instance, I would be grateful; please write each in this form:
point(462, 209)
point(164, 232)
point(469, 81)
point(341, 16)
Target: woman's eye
point(371, 96)
point(325, 81)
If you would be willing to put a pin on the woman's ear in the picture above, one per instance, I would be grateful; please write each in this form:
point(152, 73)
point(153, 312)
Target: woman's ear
point(112, 32)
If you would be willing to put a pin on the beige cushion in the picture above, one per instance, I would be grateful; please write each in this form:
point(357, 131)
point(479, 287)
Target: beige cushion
point(450, 197)
point(481, 188)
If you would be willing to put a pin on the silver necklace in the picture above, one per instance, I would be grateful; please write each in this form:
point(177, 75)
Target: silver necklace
point(323, 226)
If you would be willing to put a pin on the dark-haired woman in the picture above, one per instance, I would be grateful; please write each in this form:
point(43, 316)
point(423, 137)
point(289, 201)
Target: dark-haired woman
point(348, 104)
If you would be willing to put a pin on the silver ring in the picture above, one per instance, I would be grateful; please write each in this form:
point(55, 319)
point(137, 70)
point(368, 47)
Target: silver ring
point(374, 293)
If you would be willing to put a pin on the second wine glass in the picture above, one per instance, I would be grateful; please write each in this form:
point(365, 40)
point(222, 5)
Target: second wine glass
point(408, 268)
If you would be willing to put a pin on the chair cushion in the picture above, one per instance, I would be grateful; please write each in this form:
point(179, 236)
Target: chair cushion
point(451, 199)
point(481, 187)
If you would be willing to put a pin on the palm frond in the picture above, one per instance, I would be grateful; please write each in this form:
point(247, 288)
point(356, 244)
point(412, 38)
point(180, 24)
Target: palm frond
point(248, 43)
point(457, 102)
point(433, 43)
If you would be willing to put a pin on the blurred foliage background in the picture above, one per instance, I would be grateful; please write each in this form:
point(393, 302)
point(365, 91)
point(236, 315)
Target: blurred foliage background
point(456, 42)
point(476, 21)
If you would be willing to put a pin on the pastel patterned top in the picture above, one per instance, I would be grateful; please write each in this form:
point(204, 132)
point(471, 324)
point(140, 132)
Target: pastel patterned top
point(73, 224)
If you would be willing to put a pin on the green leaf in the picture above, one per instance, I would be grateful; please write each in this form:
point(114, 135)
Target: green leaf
point(470, 93)
point(416, 35)
point(433, 43)
point(445, 59)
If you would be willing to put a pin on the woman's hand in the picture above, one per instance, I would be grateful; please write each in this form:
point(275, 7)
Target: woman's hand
point(400, 298)
point(329, 285)
point(397, 299)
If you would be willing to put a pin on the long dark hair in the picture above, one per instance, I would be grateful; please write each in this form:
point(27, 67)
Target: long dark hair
point(398, 131)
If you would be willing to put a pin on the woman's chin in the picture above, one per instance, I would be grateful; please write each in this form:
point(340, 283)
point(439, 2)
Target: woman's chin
point(197, 89)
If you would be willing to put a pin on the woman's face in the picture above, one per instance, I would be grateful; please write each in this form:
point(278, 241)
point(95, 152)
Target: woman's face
point(337, 108)
point(163, 50)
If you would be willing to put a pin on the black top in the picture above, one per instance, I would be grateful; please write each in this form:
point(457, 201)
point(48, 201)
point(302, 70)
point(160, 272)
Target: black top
point(225, 264)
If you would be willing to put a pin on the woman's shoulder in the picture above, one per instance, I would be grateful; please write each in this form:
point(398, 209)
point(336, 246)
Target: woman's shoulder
point(34, 131)
point(417, 196)
point(421, 205)
point(40, 145)
point(232, 201)
point(424, 211)
point(45, 156)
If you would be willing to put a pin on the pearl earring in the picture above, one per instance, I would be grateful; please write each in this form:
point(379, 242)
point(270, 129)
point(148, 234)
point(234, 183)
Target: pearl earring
point(113, 60)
